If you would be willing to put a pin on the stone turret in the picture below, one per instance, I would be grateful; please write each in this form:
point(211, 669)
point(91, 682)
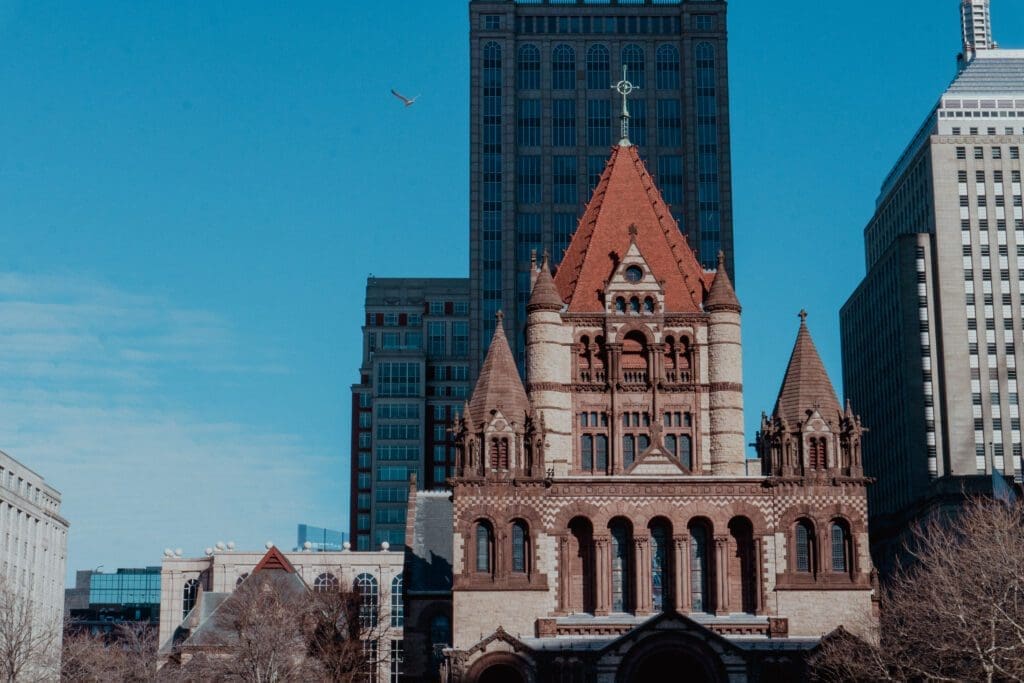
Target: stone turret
point(549, 367)
point(725, 373)
point(808, 434)
point(496, 436)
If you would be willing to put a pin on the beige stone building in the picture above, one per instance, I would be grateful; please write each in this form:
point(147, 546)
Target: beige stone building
point(192, 590)
point(33, 544)
point(604, 524)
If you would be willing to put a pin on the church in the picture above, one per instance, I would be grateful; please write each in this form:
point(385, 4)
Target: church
point(605, 523)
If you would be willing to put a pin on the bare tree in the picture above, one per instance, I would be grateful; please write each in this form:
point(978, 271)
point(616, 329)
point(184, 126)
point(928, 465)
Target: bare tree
point(272, 630)
point(128, 654)
point(956, 613)
point(28, 638)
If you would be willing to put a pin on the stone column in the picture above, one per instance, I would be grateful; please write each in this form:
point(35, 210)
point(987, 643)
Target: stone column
point(564, 575)
point(602, 570)
point(642, 572)
point(680, 574)
point(759, 608)
point(721, 575)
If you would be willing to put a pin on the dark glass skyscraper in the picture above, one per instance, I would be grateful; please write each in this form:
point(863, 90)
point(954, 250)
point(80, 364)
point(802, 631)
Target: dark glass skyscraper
point(543, 117)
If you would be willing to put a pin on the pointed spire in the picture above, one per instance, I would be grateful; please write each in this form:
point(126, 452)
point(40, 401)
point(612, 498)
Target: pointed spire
point(721, 296)
point(499, 386)
point(545, 296)
point(806, 385)
point(624, 88)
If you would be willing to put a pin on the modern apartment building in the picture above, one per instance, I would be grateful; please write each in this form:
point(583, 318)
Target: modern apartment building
point(100, 601)
point(543, 117)
point(33, 545)
point(932, 337)
point(413, 379)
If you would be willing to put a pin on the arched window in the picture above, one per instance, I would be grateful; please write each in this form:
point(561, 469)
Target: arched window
point(240, 579)
point(667, 67)
point(634, 305)
point(840, 548)
point(188, 596)
point(598, 68)
point(441, 630)
point(742, 563)
point(366, 585)
point(648, 305)
point(628, 450)
point(397, 602)
point(700, 596)
point(686, 452)
point(581, 570)
point(804, 546)
point(620, 305)
point(661, 534)
point(520, 546)
point(670, 445)
point(643, 442)
point(563, 68)
point(528, 68)
point(621, 580)
point(484, 547)
point(633, 60)
point(325, 582)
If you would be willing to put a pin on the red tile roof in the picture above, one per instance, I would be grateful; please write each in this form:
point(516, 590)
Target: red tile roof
point(806, 385)
point(545, 296)
point(498, 386)
point(721, 295)
point(626, 196)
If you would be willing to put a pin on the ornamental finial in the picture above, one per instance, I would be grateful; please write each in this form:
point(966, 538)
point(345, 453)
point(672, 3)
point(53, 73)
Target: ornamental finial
point(802, 315)
point(624, 88)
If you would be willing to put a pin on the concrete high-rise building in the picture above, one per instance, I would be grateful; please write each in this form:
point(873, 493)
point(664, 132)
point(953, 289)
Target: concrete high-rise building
point(414, 377)
point(33, 544)
point(543, 116)
point(932, 336)
point(976, 27)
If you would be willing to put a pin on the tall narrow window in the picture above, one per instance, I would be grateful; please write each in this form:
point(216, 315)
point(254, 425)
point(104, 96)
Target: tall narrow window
point(188, 596)
point(804, 547)
point(660, 536)
point(699, 568)
point(397, 602)
point(670, 445)
point(620, 538)
point(528, 68)
point(366, 585)
point(520, 544)
point(601, 453)
point(667, 67)
point(599, 123)
point(685, 452)
point(628, 450)
point(643, 443)
point(633, 60)
point(840, 562)
point(587, 452)
point(563, 68)
point(598, 68)
point(484, 543)
point(563, 123)
point(499, 454)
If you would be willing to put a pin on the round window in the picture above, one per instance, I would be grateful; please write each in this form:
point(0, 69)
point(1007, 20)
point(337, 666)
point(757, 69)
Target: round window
point(634, 274)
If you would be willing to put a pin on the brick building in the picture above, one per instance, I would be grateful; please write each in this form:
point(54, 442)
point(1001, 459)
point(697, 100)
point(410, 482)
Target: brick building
point(604, 525)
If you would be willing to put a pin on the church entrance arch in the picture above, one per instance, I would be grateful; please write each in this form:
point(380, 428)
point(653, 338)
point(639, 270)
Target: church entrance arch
point(501, 673)
point(678, 657)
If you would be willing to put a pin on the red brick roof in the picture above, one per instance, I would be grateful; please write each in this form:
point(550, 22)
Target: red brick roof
point(545, 296)
point(806, 385)
point(274, 559)
point(626, 196)
point(498, 386)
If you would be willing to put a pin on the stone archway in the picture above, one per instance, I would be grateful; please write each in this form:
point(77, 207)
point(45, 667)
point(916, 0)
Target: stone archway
point(678, 656)
point(501, 673)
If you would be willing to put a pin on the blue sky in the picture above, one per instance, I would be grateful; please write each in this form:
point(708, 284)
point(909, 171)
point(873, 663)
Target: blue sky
point(192, 195)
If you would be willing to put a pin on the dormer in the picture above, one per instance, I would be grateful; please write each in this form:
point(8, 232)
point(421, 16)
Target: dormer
point(633, 289)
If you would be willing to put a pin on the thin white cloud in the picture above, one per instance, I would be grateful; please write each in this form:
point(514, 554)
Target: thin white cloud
point(83, 368)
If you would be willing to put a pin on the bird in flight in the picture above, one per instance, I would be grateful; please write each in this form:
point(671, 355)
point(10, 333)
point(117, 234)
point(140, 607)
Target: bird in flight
point(407, 101)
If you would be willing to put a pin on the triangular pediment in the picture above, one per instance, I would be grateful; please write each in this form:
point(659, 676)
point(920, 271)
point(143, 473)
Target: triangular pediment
point(675, 624)
point(274, 559)
point(655, 462)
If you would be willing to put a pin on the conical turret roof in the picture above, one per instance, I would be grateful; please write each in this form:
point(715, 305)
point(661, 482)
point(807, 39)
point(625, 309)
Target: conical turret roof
point(806, 385)
point(545, 296)
point(626, 198)
point(722, 296)
point(499, 386)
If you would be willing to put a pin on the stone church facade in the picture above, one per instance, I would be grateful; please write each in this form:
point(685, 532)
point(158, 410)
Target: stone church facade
point(604, 521)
